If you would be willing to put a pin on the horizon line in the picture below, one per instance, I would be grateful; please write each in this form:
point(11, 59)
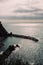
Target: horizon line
point(22, 17)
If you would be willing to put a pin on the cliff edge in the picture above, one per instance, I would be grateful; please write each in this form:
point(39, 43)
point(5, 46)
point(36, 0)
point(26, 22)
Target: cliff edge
point(3, 31)
point(3, 34)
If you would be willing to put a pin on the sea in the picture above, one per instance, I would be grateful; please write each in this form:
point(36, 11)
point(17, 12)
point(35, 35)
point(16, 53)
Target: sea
point(29, 50)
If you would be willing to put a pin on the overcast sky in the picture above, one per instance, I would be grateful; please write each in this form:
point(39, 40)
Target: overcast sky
point(21, 8)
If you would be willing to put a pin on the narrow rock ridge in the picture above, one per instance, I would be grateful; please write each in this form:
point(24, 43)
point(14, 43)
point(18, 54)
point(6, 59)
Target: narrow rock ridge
point(4, 33)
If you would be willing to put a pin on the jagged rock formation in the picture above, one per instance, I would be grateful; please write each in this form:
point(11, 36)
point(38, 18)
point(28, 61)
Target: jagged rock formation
point(3, 34)
point(3, 31)
point(6, 53)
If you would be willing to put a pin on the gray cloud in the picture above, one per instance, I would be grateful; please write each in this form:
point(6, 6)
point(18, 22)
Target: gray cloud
point(27, 10)
point(20, 7)
point(39, 14)
point(24, 11)
point(37, 9)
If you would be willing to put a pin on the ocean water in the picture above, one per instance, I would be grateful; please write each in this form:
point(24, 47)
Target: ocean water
point(29, 50)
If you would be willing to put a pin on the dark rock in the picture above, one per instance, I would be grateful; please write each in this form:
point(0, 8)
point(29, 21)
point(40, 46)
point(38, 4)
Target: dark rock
point(6, 53)
point(10, 49)
point(25, 37)
point(10, 34)
point(3, 31)
point(3, 34)
point(17, 46)
point(1, 44)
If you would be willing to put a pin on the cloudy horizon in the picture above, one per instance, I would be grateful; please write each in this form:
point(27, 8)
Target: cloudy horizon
point(21, 9)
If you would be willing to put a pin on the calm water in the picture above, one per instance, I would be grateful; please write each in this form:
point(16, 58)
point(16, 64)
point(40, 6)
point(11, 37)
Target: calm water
point(30, 50)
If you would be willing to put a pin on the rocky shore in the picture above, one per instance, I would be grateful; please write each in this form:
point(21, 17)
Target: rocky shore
point(4, 34)
point(7, 52)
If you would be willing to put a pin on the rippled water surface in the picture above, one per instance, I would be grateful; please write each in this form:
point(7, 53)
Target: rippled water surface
point(30, 50)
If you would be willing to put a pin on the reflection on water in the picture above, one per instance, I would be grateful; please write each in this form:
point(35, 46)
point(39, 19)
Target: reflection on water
point(30, 50)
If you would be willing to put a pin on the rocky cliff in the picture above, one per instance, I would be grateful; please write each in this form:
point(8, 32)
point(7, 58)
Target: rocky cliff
point(3, 31)
point(3, 34)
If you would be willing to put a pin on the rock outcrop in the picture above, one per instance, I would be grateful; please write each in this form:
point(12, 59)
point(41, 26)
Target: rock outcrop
point(24, 37)
point(3, 31)
point(3, 34)
point(6, 53)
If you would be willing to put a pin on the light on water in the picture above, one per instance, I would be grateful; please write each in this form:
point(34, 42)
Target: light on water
point(24, 24)
point(29, 50)
point(10, 11)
